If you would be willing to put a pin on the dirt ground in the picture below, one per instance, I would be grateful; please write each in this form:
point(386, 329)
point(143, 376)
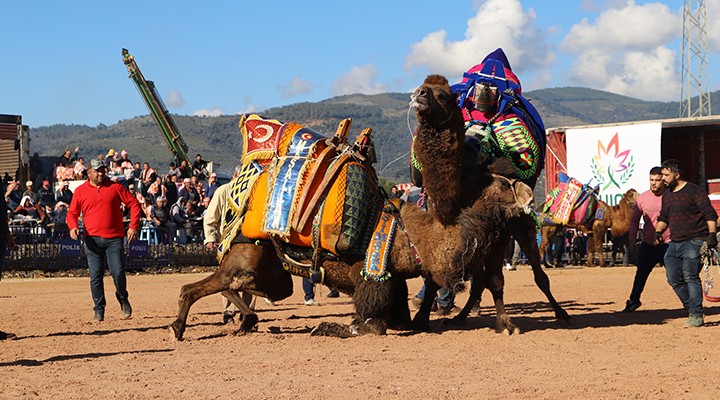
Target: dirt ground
point(60, 354)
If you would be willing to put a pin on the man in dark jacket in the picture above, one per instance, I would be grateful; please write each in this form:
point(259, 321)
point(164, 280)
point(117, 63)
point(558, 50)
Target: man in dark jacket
point(686, 209)
point(47, 197)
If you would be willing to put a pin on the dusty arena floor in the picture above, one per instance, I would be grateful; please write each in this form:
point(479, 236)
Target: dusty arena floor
point(60, 354)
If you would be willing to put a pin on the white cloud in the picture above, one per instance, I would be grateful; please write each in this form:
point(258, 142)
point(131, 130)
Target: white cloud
point(250, 106)
point(359, 80)
point(175, 99)
point(498, 23)
point(295, 87)
point(712, 9)
point(632, 27)
point(204, 112)
point(647, 75)
point(624, 50)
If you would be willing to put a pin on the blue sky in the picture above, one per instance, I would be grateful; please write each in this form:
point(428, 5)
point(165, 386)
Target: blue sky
point(62, 63)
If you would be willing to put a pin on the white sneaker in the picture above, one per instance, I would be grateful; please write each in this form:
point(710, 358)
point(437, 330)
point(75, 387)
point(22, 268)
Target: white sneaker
point(510, 267)
point(269, 302)
point(311, 302)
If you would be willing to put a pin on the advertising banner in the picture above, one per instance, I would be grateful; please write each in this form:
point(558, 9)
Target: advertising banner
point(615, 158)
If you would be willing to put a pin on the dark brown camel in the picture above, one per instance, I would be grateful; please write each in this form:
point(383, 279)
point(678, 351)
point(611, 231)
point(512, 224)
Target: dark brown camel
point(616, 218)
point(450, 179)
point(255, 268)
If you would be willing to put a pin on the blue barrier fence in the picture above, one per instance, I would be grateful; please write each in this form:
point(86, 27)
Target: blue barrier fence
point(50, 248)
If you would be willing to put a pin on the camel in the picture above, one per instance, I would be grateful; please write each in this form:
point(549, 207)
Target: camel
point(616, 218)
point(421, 247)
point(440, 147)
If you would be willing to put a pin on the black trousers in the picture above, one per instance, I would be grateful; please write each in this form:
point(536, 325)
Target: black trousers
point(648, 257)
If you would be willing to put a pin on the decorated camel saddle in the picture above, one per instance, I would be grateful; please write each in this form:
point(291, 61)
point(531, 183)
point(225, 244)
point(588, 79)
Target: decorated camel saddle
point(495, 112)
point(571, 202)
point(312, 196)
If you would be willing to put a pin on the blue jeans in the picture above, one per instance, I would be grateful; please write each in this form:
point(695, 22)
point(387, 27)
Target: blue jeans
point(309, 289)
point(445, 297)
point(97, 248)
point(682, 267)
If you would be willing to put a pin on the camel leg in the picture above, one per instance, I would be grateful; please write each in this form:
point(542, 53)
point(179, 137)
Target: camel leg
point(246, 267)
point(590, 249)
point(598, 238)
point(191, 293)
point(495, 283)
point(249, 319)
point(476, 289)
point(421, 321)
point(399, 309)
point(524, 233)
point(544, 250)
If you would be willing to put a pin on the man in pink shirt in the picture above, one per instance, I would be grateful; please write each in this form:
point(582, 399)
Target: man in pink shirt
point(99, 200)
point(649, 253)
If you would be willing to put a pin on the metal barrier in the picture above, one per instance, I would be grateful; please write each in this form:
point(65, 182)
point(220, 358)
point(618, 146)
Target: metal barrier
point(49, 248)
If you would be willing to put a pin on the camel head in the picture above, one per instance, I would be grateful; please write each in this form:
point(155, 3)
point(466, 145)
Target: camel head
point(434, 101)
point(631, 196)
point(511, 194)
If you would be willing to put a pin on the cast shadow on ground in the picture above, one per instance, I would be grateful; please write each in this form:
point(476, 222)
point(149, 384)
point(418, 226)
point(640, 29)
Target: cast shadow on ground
point(316, 316)
point(97, 332)
point(36, 363)
point(583, 316)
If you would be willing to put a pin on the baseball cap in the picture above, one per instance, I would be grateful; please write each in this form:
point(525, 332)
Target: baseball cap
point(28, 183)
point(66, 183)
point(187, 180)
point(46, 181)
point(96, 164)
point(110, 153)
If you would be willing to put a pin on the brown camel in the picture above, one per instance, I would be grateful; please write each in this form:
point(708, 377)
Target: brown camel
point(450, 179)
point(616, 218)
point(253, 266)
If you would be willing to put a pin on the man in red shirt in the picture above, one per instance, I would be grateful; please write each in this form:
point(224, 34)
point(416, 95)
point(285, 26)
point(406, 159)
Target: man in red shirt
point(99, 200)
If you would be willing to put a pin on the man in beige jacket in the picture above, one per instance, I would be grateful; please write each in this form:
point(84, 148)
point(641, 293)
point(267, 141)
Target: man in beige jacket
point(212, 225)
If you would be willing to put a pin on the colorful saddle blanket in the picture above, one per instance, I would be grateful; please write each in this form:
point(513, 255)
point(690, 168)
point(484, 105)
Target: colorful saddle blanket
point(507, 123)
point(301, 188)
point(570, 202)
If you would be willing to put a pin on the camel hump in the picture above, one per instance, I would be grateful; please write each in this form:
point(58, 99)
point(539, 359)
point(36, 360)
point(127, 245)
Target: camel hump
point(311, 178)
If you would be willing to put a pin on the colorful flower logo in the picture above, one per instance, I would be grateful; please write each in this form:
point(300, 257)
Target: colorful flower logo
point(612, 167)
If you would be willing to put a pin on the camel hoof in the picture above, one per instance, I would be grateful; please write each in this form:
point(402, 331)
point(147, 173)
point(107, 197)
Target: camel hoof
point(507, 328)
point(420, 326)
point(248, 323)
point(563, 316)
point(176, 330)
point(400, 326)
point(334, 329)
point(458, 320)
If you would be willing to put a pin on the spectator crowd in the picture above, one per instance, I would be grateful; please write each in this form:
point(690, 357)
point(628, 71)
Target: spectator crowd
point(174, 199)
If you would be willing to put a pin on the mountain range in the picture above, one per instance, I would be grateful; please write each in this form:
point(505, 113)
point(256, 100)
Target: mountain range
point(388, 114)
